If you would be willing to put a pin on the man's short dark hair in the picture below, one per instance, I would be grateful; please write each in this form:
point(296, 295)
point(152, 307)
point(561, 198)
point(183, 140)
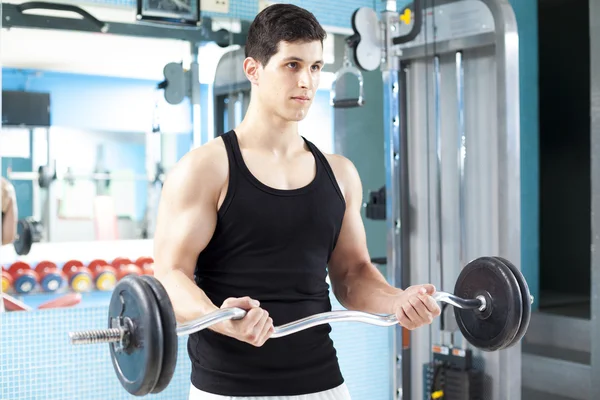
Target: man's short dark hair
point(277, 23)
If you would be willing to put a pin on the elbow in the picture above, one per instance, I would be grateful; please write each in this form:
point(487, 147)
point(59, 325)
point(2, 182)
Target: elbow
point(168, 275)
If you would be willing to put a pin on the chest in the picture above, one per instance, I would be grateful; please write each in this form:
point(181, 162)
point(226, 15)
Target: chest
point(281, 173)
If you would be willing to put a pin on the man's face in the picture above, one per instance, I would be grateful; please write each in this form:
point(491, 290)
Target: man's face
point(288, 83)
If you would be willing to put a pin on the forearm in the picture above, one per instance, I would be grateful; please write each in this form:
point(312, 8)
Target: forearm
point(188, 300)
point(365, 289)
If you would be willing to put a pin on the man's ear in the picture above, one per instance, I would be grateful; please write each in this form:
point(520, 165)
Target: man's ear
point(251, 69)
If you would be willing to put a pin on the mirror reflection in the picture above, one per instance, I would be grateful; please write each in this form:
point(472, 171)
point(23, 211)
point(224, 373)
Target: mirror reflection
point(91, 126)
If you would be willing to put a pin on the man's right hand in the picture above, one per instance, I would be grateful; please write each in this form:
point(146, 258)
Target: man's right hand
point(255, 328)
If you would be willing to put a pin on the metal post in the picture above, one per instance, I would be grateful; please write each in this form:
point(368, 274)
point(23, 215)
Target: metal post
point(391, 114)
point(439, 229)
point(461, 155)
point(195, 96)
point(48, 194)
point(506, 365)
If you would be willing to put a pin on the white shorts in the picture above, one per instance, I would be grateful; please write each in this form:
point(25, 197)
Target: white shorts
point(338, 393)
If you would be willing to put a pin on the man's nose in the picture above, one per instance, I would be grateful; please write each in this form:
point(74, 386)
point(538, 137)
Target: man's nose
point(305, 80)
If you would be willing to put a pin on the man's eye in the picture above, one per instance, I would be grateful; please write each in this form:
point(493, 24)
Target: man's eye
point(293, 65)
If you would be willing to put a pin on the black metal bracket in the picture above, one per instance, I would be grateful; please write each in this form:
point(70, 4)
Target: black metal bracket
point(14, 16)
point(375, 208)
point(417, 11)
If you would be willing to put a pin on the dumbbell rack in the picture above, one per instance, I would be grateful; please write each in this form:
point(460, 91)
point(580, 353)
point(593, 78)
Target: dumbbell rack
point(35, 284)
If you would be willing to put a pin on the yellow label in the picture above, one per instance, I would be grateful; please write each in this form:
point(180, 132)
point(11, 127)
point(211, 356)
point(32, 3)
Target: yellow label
point(406, 17)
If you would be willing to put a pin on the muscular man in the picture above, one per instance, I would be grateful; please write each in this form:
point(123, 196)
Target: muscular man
point(9, 212)
point(257, 219)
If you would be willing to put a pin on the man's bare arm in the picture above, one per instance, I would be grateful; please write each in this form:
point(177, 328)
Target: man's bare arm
point(356, 282)
point(186, 221)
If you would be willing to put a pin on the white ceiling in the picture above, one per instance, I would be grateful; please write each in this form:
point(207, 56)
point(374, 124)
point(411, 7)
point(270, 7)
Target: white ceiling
point(91, 53)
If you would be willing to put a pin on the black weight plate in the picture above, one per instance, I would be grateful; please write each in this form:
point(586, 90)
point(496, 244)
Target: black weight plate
point(138, 365)
point(496, 326)
point(526, 295)
point(45, 177)
point(37, 230)
point(24, 238)
point(169, 324)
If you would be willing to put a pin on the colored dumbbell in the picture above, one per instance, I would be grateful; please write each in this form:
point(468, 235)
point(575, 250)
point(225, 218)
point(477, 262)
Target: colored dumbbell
point(24, 278)
point(51, 277)
point(125, 267)
point(105, 275)
point(80, 276)
point(7, 281)
point(146, 264)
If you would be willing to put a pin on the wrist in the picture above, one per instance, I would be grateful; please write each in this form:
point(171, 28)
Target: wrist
point(221, 327)
point(398, 300)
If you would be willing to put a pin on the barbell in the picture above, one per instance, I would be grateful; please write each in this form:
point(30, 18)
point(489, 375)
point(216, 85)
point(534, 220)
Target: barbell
point(45, 176)
point(492, 306)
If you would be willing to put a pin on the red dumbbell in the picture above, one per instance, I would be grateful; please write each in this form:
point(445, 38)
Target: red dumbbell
point(146, 264)
point(25, 279)
point(124, 267)
point(80, 276)
point(7, 281)
point(51, 278)
point(105, 275)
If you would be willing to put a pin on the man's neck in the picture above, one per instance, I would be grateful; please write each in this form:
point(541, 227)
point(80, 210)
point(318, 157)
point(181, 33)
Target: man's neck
point(267, 131)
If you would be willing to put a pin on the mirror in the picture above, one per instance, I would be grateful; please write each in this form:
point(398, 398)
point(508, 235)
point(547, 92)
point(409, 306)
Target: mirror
point(90, 108)
point(94, 113)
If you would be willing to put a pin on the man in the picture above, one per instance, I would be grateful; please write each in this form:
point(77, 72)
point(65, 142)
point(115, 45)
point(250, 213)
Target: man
point(9, 212)
point(256, 219)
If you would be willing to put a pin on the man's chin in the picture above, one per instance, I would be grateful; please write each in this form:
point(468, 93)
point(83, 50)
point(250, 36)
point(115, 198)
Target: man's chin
point(298, 115)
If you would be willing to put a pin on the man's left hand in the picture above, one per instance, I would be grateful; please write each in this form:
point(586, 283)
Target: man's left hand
point(415, 306)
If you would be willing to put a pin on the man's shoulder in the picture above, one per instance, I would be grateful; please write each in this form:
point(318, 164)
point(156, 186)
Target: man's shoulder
point(342, 167)
point(204, 165)
point(345, 173)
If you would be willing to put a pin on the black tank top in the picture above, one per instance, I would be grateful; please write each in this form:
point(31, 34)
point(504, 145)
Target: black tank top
point(272, 245)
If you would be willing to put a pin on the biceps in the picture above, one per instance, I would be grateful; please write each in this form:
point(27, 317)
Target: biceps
point(180, 237)
point(351, 247)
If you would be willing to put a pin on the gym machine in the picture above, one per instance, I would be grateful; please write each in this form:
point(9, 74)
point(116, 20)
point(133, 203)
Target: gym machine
point(452, 190)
